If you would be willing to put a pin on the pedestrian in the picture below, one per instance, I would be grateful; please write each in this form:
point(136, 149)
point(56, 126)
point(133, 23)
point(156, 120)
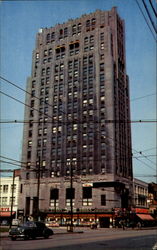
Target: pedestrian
point(139, 225)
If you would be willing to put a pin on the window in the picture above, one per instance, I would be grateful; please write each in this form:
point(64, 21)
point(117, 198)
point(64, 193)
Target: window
point(50, 52)
point(13, 186)
point(27, 176)
point(4, 200)
point(48, 71)
point(102, 45)
point(53, 36)
point(86, 40)
point(70, 193)
point(45, 52)
point(54, 194)
point(65, 32)
point(39, 143)
point(91, 39)
point(29, 143)
point(87, 196)
point(101, 66)
point(103, 200)
point(48, 36)
point(33, 84)
point(44, 142)
point(5, 189)
point(101, 36)
point(33, 93)
point(37, 55)
point(102, 57)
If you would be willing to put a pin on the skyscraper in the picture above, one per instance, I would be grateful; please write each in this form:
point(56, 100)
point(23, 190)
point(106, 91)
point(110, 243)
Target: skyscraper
point(78, 117)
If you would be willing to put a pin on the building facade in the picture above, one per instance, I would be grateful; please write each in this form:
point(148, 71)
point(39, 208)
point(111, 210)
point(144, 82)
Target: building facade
point(140, 193)
point(77, 141)
point(9, 196)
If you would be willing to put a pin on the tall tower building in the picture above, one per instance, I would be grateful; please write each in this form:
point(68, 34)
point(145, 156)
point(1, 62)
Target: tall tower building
point(78, 117)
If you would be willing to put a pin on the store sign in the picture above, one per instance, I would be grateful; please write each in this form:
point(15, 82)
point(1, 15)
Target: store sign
point(4, 208)
point(142, 210)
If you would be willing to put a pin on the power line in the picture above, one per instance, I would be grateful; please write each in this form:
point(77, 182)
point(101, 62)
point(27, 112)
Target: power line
point(25, 104)
point(141, 97)
point(80, 122)
point(15, 85)
point(146, 150)
point(12, 159)
point(145, 163)
point(150, 18)
point(33, 164)
point(146, 20)
point(145, 157)
point(153, 8)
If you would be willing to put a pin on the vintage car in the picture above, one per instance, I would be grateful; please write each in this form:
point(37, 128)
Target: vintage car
point(30, 229)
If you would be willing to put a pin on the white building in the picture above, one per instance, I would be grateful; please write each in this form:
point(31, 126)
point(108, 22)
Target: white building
point(140, 193)
point(7, 192)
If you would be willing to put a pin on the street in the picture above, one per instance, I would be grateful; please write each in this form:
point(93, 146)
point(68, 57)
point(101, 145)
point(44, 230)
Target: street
point(102, 238)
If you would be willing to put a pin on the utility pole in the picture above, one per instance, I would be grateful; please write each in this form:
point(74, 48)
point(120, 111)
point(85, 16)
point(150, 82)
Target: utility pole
point(71, 199)
point(38, 188)
point(12, 197)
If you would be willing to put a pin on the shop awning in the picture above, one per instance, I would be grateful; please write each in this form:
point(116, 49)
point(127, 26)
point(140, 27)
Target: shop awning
point(6, 213)
point(145, 216)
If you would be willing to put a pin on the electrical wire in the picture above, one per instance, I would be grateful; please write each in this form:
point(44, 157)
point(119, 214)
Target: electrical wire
point(141, 97)
point(146, 20)
point(150, 18)
point(153, 8)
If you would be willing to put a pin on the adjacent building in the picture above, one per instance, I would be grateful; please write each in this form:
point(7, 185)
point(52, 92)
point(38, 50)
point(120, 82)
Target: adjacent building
point(9, 195)
point(140, 193)
point(77, 138)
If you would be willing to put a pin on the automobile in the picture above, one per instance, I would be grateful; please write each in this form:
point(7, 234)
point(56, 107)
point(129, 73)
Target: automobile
point(30, 229)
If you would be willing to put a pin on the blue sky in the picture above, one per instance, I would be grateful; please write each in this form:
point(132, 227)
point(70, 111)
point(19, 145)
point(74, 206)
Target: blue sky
point(20, 22)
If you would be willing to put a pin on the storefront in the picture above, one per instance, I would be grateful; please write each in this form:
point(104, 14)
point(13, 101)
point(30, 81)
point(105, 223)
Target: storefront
point(5, 217)
point(82, 219)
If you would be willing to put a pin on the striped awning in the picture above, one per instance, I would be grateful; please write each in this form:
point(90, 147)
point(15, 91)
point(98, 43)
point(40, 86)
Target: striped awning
point(145, 216)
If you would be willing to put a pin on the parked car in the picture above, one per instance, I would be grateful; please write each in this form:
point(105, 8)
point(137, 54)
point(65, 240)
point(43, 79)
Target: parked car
point(30, 229)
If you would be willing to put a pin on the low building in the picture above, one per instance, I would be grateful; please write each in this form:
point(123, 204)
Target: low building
point(9, 190)
point(152, 198)
point(140, 193)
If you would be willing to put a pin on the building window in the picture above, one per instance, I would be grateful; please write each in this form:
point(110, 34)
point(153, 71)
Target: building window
point(101, 66)
point(54, 198)
point(33, 93)
point(12, 200)
point(27, 176)
point(21, 188)
point(53, 36)
point(4, 200)
point(87, 196)
point(101, 36)
point(65, 32)
point(103, 200)
point(29, 143)
point(5, 189)
point(102, 45)
point(70, 195)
